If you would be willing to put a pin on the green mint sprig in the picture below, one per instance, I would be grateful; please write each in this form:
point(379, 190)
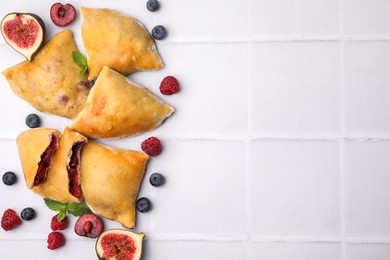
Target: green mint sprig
point(76, 209)
point(80, 61)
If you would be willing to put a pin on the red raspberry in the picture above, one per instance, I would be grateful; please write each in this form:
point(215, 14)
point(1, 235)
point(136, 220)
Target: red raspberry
point(151, 146)
point(10, 220)
point(55, 240)
point(169, 85)
point(58, 225)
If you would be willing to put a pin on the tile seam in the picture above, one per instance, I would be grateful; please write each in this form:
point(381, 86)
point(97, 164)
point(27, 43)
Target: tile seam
point(248, 211)
point(342, 183)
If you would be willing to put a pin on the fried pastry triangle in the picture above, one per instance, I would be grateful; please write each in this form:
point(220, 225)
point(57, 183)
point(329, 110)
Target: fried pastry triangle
point(118, 41)
point(51, 82)
point(117, 107)
point(36, 148)
point(110, 180)
point(63, 178)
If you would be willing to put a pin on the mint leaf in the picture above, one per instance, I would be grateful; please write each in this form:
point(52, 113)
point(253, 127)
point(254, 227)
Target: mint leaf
point(61, 215)
point(55, 205)
point(78, 209)
point(80, 61)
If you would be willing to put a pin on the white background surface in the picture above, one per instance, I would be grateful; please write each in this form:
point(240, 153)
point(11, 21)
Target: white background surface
point(279, 149)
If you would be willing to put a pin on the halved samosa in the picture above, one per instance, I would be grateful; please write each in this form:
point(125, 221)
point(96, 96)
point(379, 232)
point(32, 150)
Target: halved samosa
point(118, 41)
point(36, 148)
point(117, 107)
point(63, 178)
point(110, 180)
point(51, 82)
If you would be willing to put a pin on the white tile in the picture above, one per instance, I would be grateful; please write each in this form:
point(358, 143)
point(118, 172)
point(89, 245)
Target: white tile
point(295, 251)
point(366, 17)
point(298, 17)
point(366, 87)
point(203, 19)
point(194, 250)
point(37, 249)
point(294, 189)
point(204, 190)
point(214, 83)
point(367, 189)
point(295, 88)
point(368, 252)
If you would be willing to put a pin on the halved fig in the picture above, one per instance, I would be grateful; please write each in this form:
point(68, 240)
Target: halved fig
point(88, 225)
point(119, 244)
point(25, 32)
point(36, 148)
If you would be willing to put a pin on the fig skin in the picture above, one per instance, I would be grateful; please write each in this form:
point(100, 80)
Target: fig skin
point(28, 53)
point(137, 237)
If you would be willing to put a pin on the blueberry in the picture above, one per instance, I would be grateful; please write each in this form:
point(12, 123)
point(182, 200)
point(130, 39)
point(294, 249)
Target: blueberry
point(9, 178)
point(159, 32)
point(33, 121)
point(153, 5)
point(28, 214)
point(143, 205)
point(156, 179)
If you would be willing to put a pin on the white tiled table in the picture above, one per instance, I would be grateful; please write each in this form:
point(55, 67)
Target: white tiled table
point(280, 146)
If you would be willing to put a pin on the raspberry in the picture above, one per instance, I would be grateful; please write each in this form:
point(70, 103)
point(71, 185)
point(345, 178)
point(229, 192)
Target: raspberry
point(10, 220)
point(151, 146)
point(58, 225)
point(169, 85)
point(55, 240)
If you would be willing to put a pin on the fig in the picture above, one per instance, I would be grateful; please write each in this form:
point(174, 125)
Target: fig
point(25, 32)
point(62, 15)
point(119, 244)
point(88, 225)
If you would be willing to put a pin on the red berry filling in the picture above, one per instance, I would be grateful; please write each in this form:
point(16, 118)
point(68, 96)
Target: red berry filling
point(73, 169)
point(46, 160)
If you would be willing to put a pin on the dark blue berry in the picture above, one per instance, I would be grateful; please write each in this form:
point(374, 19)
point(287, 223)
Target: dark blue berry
point(33, 121)
point(159, 32)
point(28, 214)
point(9, 178)
point(156, 179)
point(152, 5)
point(143, 205)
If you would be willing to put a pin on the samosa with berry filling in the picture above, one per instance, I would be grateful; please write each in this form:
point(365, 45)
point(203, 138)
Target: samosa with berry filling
point(36, 149)
point(118, 107)
point(63, 178)
point(110, 181)
point(116, 40)
point(51, 82)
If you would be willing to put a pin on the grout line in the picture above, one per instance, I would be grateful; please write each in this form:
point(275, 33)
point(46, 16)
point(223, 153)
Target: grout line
point(251, 137)
point(342, 133)
point(248, 204)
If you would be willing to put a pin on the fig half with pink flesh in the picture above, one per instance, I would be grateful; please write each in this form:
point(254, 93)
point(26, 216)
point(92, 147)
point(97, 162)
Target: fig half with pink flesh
point(24, 32)
point(119, 244)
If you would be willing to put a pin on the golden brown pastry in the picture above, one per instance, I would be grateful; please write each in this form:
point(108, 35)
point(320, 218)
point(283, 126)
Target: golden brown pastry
point(63, 178)
point(36, 148)
point(110, 180)
point(118, 41)
point(117, 107)
point(51, 82)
